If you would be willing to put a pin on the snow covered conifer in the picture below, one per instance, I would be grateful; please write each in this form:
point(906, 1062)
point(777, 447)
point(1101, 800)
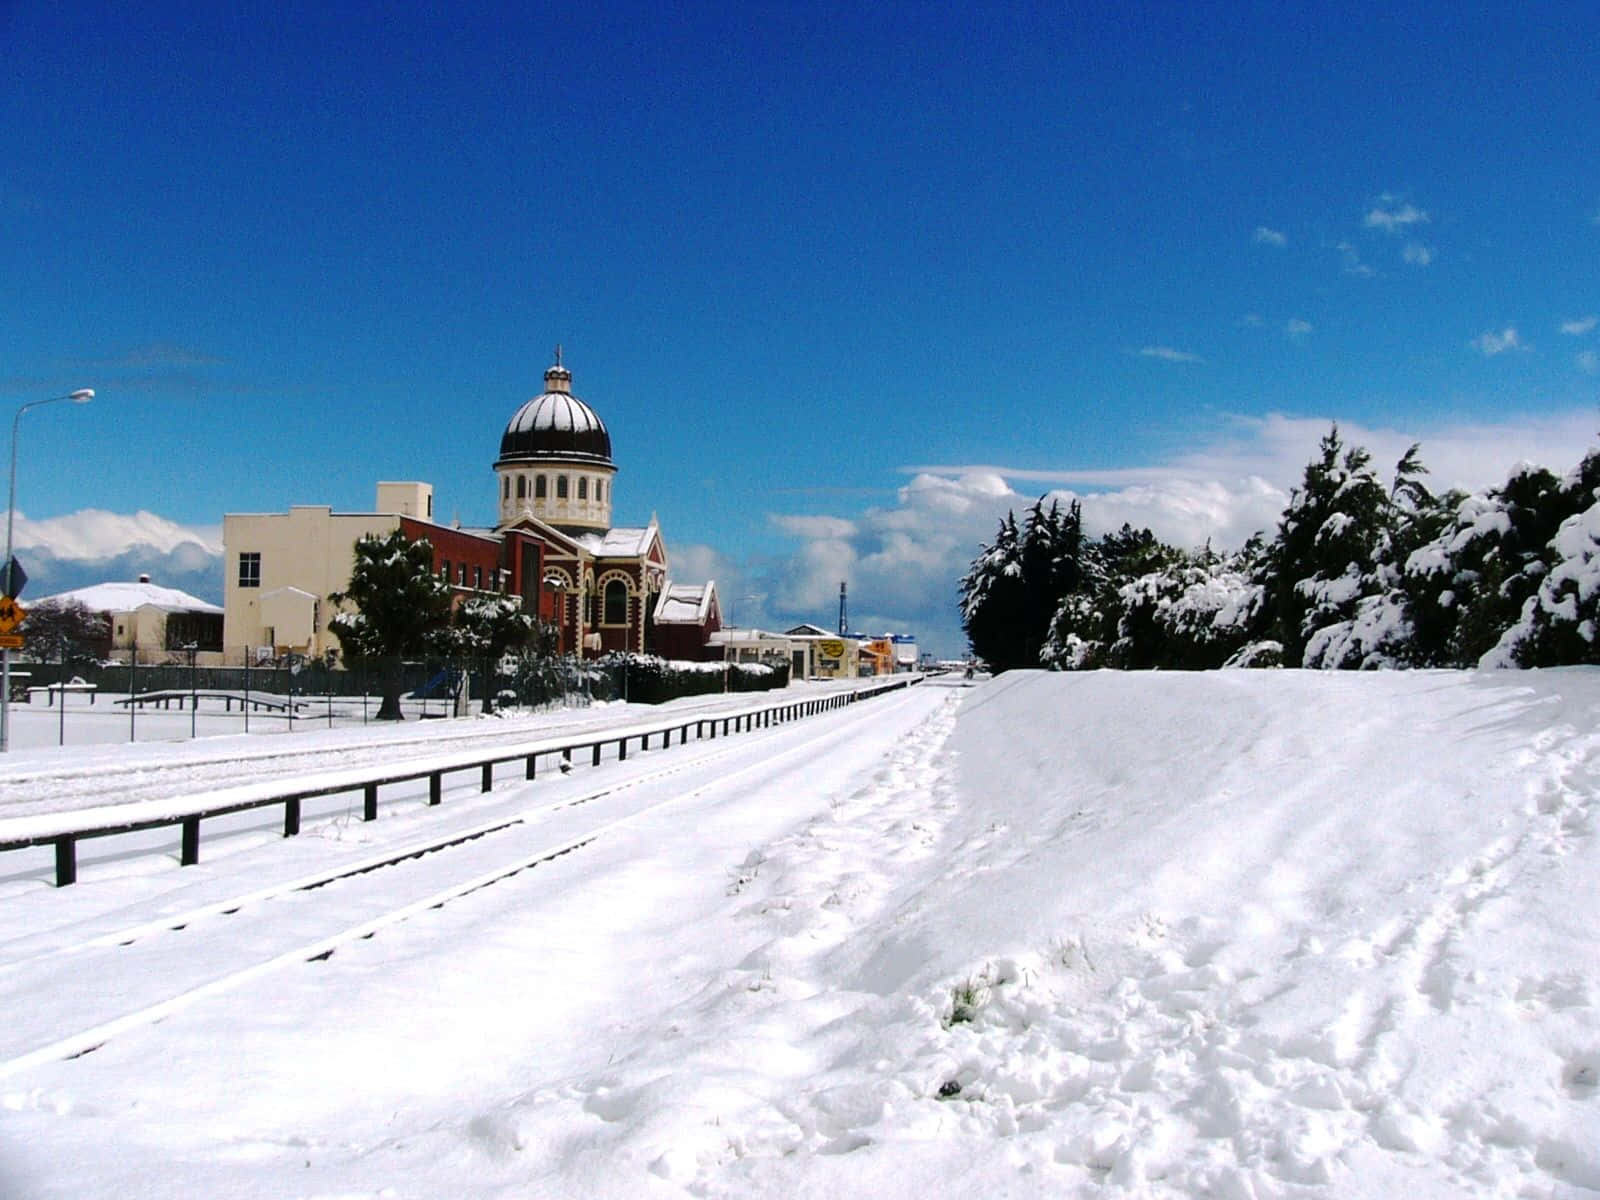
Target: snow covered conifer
point(1559, 624)
point(400, 606)
point(994, 600)
point(1322, 561)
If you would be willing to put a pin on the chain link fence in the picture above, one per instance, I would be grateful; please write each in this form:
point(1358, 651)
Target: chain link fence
point(171, 697)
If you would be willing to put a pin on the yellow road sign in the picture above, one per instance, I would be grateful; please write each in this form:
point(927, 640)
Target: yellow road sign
point(11, 641)
point(11, 614)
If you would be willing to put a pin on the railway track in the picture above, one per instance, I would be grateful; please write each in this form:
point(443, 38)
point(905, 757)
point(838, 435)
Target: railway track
point(130, 976)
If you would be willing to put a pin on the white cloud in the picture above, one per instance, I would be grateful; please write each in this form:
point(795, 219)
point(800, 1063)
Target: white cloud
point(1417, 254)
point(1269, 237)
point(1296, 329)
point(1580, 326)
point(815, 527)
point(1168, 354)
point(93, 533)
point(903, 560)
point(1490, 343)
point(1588, 362)
point(1350, 260)
point(1391, 217)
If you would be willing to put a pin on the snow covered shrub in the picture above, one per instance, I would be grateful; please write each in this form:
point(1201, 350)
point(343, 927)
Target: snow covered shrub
point(1265, 653)
point(1191, 616)
point(1469, 585)
point(1378, 635)
point(1560, 623)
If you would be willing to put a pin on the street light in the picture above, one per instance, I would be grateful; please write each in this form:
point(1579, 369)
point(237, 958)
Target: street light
point(81, 396)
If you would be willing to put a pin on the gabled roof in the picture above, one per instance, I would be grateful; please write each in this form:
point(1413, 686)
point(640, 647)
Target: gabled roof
point(129, 597)
point(560, 541)
point(619, 543)
point(686, 603)
point(809, 630)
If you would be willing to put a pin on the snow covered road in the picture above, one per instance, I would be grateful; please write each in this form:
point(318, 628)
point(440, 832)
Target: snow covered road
point(1244, 934)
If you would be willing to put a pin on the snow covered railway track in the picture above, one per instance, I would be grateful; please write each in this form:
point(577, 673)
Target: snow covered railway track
point(127, 935)
point(99, 991)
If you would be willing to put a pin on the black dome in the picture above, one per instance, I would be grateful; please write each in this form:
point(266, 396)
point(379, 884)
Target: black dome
point(556, 425)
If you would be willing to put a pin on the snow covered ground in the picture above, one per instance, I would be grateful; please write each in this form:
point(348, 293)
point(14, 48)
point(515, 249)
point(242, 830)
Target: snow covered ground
point(1241, 934)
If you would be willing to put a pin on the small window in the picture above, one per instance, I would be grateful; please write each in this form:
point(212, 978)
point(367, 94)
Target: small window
point(463, 574)
point(522, 487)
point(561, 487)
point(538, 487)
point(505, 487)
point(250, 569)
point(583, 487)
point(600, 491)
point(477, 578)
point(616, 612)
point(444, 570)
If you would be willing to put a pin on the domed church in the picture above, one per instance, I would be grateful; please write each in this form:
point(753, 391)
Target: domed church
point(605, 588)
point(552, 544)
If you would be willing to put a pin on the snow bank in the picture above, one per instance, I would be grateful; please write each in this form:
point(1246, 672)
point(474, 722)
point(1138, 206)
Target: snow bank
point(1236, 934)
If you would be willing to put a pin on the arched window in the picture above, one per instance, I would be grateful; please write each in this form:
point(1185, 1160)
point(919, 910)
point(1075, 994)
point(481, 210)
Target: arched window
point(600, 491)
point(583, 487)
point(561, 487)
point(538, 487)
point(522, 487)
point(505, 487)
point(616, 603)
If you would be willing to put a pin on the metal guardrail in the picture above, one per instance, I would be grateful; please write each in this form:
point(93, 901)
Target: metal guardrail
point(65, 839)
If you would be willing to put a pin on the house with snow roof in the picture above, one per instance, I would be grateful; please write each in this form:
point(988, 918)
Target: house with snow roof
point(602, 587)
point(148, 617)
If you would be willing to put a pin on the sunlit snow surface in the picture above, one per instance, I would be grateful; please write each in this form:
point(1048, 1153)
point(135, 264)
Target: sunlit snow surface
point(1240, 934)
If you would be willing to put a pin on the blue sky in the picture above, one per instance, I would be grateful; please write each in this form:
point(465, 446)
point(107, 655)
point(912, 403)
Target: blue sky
point(845, 282)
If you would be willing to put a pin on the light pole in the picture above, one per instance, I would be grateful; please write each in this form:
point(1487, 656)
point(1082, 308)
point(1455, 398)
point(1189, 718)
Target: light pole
point(81, 396)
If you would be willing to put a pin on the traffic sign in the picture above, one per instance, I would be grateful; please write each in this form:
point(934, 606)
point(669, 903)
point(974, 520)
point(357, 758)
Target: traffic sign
point(14, 579)
point(11, 641)
point(11, 614)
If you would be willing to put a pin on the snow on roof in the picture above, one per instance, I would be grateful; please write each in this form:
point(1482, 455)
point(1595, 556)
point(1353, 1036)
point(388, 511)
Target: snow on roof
point(809, 630)
point(617, 543)
point(126, 597)
point(685, 603)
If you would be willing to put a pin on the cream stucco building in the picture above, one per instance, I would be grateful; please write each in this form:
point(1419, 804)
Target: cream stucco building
point(281, 567)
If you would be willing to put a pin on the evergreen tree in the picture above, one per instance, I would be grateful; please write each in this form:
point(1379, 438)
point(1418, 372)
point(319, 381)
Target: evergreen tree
point(400, 607)
point(1559, 624)
point(1322, 562)
point(486, 628)
point(1015, 585)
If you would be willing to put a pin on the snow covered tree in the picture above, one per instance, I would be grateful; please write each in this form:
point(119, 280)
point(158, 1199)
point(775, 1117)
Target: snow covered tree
point(1195, 613)
point(1471, 582)
point(400, 607)
point(1015, 585)
point(1559, 624)
point(1322, 563)
point(486, 628)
